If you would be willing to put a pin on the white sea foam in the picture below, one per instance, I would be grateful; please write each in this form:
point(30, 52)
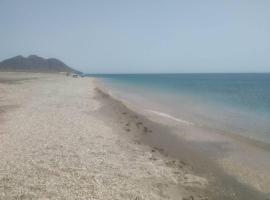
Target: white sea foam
point(171, 117)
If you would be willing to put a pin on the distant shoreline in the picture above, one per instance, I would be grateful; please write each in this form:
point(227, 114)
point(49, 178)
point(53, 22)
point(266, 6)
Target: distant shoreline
point(202, 152)
point(73, 134)
point(105, 74)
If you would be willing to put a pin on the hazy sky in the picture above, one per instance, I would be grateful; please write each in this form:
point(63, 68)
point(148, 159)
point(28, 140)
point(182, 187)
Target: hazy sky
point(140, 35)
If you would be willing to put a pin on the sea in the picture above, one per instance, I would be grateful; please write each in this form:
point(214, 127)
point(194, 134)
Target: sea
point(234, 103)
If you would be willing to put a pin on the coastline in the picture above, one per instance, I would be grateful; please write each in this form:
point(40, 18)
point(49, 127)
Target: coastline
point(209, 146)
point(62, 137)
point(58, 143)
point(159, 117)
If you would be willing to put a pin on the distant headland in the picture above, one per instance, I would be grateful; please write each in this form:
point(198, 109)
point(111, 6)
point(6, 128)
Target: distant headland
point(34, 63)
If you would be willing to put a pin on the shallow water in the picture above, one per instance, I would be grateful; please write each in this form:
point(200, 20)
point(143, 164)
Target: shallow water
point(234, 103)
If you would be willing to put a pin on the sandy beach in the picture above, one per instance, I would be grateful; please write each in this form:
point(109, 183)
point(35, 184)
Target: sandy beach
point(64, 138)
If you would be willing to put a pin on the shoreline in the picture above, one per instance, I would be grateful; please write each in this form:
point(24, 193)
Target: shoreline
point(58, 143)
point(62, 136)
point(204, 152)
point(155, 107)
point(146, 112)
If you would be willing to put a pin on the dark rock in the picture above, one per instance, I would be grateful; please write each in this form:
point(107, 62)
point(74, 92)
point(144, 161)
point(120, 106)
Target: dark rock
point(35, 63)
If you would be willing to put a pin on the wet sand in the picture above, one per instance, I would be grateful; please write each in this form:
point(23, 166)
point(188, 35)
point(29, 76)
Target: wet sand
point(64, 138)
point(164, 138)
point(57, 142)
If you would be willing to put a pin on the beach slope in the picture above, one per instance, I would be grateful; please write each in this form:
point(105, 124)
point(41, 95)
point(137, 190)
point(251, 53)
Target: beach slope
point(56, 144)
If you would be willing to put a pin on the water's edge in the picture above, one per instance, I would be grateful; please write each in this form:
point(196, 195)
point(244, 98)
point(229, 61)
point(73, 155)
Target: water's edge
point(223, 178)
point(202, 99)
point(161, 114)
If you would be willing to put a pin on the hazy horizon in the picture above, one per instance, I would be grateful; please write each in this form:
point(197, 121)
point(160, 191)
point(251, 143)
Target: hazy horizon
point(120, 36)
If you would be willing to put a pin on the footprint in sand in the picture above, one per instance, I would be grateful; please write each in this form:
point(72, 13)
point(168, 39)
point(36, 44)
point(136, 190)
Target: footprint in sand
point(188, 198)
point(153, 158)
point(145, 129)
point(177, 164)
point(138, 124)
point(159, 149)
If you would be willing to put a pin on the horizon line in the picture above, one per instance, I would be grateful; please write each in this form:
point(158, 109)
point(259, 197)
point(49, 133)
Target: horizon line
point(179, 73)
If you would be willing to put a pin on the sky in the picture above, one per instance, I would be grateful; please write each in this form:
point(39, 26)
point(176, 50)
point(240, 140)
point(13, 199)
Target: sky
point(140, 36)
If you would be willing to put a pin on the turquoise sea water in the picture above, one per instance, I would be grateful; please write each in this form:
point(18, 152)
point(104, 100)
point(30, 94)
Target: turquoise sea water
point(236, 103)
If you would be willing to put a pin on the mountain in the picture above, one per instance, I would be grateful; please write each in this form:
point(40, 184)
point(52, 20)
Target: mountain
point(34, 63)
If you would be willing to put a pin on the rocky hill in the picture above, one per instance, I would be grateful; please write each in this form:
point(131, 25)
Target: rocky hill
point(35, 63)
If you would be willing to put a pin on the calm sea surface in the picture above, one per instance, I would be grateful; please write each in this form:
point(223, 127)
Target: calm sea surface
point(234, 103)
